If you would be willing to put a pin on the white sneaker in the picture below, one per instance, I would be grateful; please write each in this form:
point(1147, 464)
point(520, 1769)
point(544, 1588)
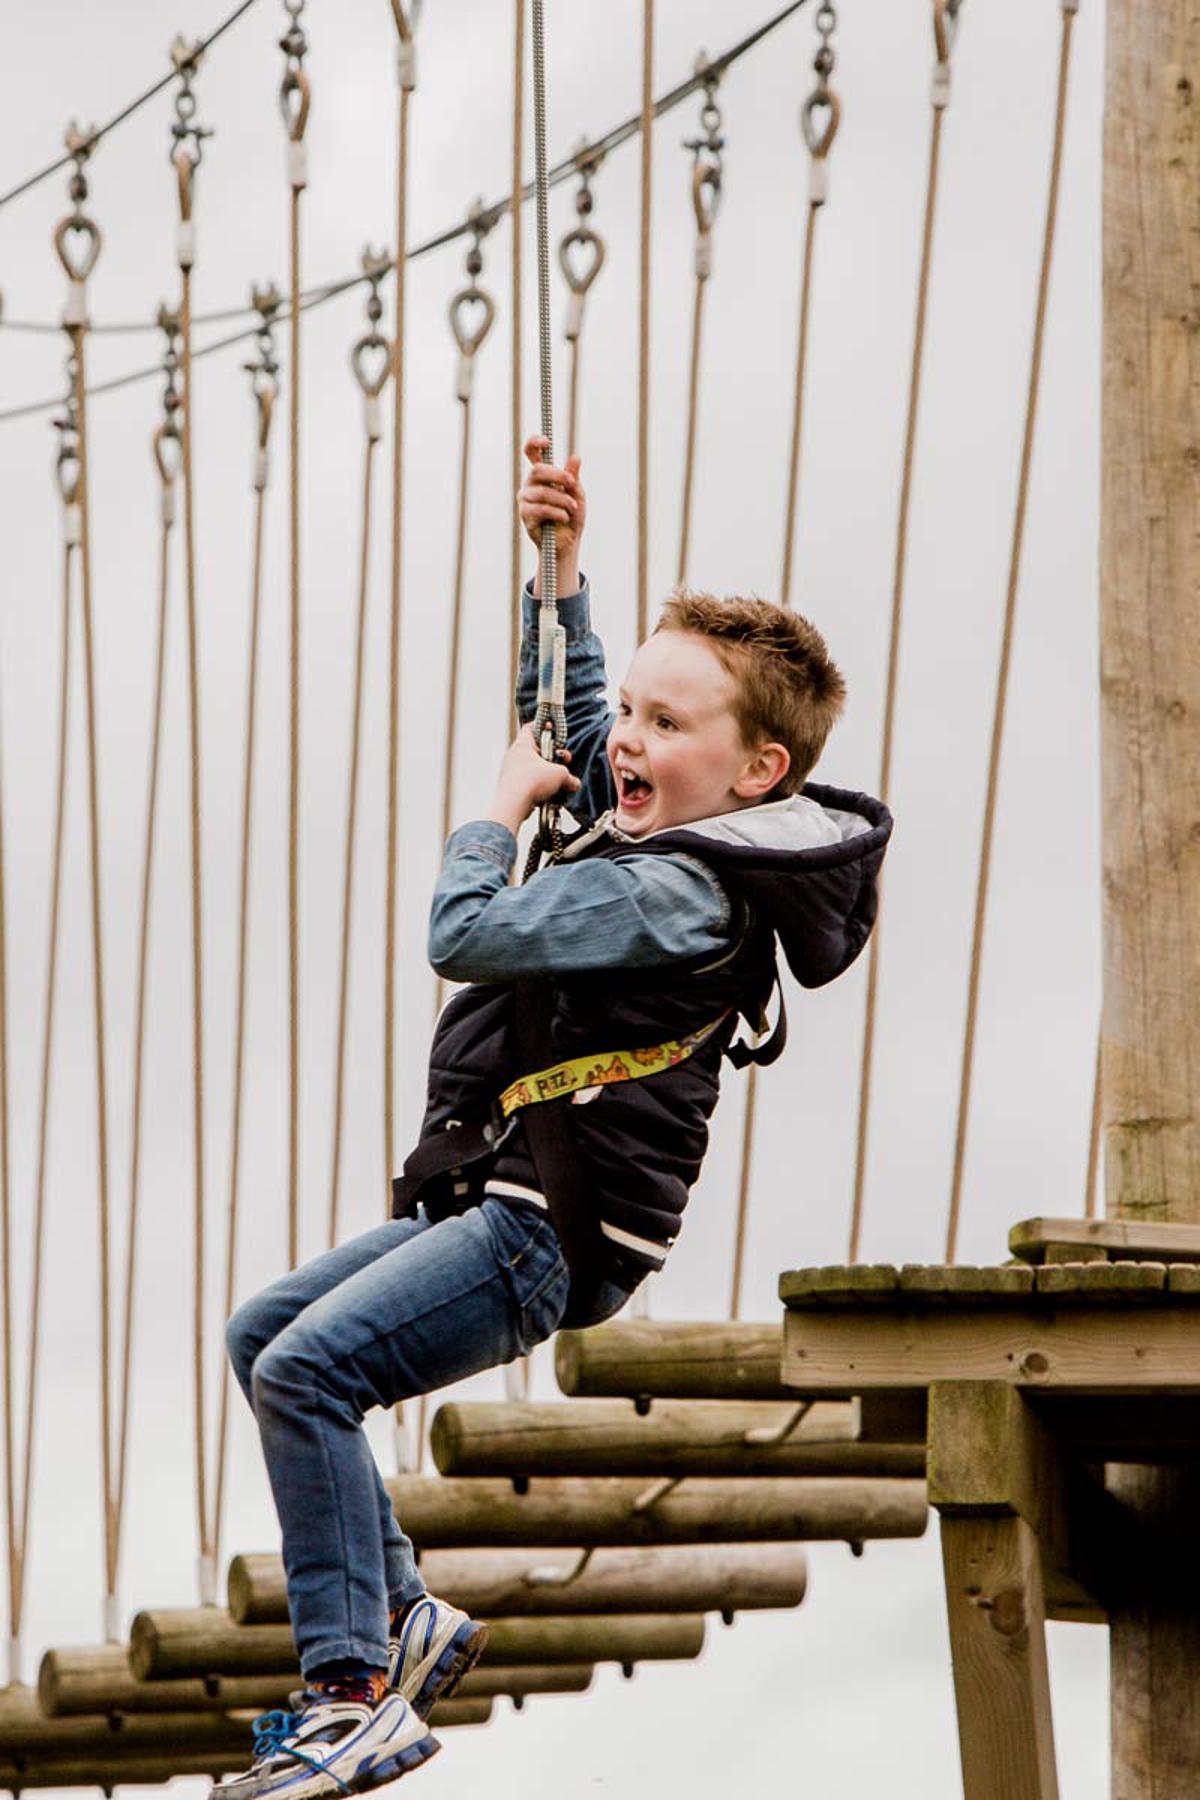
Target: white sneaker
point(436, 1646)
point(329, 1747)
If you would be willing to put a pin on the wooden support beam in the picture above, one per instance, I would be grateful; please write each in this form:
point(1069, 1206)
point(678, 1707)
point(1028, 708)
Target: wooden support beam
point(516, 1583)
point(1116, 1240)
point(1002, 1490)
point(204, 1640)
point(25, 1730)
point(1055, 1345)
point(98, 1680)
point(444, 1512)
point(678, 1437)
point(997, 1617)
point(641, 1358)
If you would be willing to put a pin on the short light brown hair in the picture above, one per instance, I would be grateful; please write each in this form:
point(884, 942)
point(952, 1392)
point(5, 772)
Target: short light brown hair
point(789, 689)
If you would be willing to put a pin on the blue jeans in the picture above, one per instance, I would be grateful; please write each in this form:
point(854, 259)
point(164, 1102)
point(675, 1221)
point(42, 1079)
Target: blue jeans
point(401, 1310)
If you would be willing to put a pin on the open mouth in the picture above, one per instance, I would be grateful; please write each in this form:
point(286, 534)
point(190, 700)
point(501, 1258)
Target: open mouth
point(633, 791)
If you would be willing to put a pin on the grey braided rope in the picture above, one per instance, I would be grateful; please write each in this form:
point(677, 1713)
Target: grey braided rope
point(550, 722)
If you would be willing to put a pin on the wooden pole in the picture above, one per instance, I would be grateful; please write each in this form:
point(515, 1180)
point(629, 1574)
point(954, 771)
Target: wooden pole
point(1150, 742)
point(640, 1357)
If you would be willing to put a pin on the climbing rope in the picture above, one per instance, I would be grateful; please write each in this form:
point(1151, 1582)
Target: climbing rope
point(166, 447)
point(706, 152)
point(295, 100)
point(264, 381)
point(516, 361)
point(77, 242)
point(187, 149)
point(643, 458)
point(820, 117)
point(371, 361)
point(946, 18)
point(1069, 8)
point(472, 312)
point(580, 257)
point(406, 67)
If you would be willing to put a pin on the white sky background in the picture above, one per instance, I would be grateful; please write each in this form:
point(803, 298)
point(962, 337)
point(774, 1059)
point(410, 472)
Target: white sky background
point(855, 1690)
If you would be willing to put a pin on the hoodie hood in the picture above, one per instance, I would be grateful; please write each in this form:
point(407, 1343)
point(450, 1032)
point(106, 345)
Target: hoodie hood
point(809, 865)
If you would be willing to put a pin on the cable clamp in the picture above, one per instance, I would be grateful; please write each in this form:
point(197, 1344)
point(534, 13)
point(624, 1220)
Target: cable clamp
point(168, 507)
point(818, 181)
point(112, 1626)
point(297, 165)
point(704, 256)
point(574, 325)
point(466, 369)
point(14, 1660)
point(185, 244)
point(406, 65)
point(261, 470)
point(75, 311)
point(73, 525)
point(940, 94)
point(373, 418)
point(206, 1578)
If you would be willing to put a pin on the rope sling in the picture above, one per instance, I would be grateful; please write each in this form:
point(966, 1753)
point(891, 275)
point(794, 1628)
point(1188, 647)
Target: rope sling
point(706, 197)
point(406, 77)
point(295, 100)
point(77, 241)
point(1069, 9)
point(581, 254)
point(820, 117)
point(946, 18)
point(264, 387)
point(371, 362)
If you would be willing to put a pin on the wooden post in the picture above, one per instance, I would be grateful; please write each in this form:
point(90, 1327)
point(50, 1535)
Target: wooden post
point(1150, 721)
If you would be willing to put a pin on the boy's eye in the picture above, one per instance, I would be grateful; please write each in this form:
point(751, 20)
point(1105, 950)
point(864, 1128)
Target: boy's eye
point(665, 723)
point(623, 708)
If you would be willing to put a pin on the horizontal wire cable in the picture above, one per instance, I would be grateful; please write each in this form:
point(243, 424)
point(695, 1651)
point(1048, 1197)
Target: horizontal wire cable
point(561, 171)
point(126, 112)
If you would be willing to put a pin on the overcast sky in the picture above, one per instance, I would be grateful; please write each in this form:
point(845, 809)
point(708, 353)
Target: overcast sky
point(854, 1690)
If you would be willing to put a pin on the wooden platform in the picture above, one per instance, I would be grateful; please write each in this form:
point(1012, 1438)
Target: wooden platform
point(1035, 1382)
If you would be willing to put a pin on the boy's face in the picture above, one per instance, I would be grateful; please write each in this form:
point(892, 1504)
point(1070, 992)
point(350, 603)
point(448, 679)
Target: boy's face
point(675, 747)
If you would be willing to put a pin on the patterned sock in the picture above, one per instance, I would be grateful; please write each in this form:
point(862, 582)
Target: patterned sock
point(349, 1680)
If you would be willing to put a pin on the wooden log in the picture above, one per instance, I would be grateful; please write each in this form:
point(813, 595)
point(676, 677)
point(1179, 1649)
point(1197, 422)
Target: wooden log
point(496, 1583)
point(98, 1680)
point(469, 1709)
point(25, 1730)
point(204, 1640)
point(442, 1512)
point(639, 1358)
point(678, 1437)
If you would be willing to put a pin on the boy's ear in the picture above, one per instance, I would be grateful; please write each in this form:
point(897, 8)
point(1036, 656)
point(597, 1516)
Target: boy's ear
point(766, 768)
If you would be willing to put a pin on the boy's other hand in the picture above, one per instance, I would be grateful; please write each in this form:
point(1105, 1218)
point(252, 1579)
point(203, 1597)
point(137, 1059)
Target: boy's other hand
point(550, 495)
point(526, 780)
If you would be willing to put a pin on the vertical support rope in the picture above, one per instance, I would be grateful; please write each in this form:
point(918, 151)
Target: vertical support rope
point(295, 97)
point(706, 195)
point(1092, 1180)
point(581, 256)
point(407, 75)
point(515, 212)
point(264, 373)
point(643, 457)
point(371, 361)
point(166, 452)
point(944, 23)
point(1069, 9)
point(820, 117)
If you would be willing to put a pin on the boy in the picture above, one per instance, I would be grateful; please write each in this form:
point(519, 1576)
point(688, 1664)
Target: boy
point(616, 978)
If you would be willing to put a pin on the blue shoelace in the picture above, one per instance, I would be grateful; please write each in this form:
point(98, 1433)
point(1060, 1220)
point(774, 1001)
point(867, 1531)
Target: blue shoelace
point(274, 1729)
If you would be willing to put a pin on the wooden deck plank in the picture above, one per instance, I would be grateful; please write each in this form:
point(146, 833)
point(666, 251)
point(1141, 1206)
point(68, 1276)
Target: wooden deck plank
point(1126, 1239)
point(1067, 1349)
point(1101, 1283)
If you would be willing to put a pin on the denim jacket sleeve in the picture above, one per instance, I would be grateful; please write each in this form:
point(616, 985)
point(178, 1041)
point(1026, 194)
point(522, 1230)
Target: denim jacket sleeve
point(631, 912)
point(589, 716)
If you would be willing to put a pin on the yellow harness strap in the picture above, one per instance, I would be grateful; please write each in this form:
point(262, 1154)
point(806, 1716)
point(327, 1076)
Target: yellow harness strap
point(582, 1072)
